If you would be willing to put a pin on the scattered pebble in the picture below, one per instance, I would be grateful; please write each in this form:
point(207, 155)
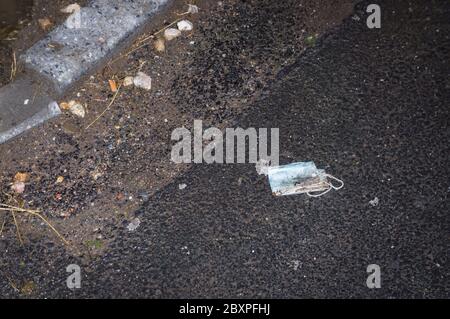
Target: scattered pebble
point(185, 25)
point(26, 102)
point(160, 45)
point(374, 202)
point(171, 33)
point(182, 186)
point(128, 81)
point(59, 180)
point(77, 109)
point(142, 80)
point(135, 223)
point(18, 187)
point(192, 9)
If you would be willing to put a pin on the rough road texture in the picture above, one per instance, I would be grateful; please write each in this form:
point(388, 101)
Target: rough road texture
point(369, 106)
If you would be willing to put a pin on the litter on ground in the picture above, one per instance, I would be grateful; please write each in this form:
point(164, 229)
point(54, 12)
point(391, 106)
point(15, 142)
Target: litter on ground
point(301, 178)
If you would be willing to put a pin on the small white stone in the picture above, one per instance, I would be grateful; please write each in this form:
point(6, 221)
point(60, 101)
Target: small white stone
point(77, 109)
point(26, 102)
point(185, 25)
point(128, 81)
point(374, 202)
point(18, 187)
point(182, 186)
point(142, 80)
point(193, 9)
point(171, 33)
point(135, 223)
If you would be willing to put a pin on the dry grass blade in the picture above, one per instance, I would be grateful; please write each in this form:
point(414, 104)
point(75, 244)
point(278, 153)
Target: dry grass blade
point(107, 108)
point(13, 66)
point(142, 42)
point(17, 228)
point(11, 283)
point(3, 225)
point(14, 210)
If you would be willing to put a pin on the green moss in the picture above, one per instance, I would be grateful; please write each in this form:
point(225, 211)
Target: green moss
point(311, 40)
point(96, 243)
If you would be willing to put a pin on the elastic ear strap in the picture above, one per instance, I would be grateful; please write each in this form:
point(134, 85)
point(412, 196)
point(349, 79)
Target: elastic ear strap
point(337, 180)
point(331, 186)
point(321, 194)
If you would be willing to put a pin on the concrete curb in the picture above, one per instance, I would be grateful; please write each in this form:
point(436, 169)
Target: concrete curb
point(45, 114)
point(86, 38)
point(69, 53)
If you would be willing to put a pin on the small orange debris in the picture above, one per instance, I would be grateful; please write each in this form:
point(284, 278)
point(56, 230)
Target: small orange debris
point(113, 85)
point(45, 24)
point(21, 177)
point(64, 106)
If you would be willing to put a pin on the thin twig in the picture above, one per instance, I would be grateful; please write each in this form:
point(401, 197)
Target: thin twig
point(140, 43)
point(107, 108)
point(13, 66)
point(17, 228)
point(19, 209)
point(10, 282)
point(3, 225)
point(34, 213)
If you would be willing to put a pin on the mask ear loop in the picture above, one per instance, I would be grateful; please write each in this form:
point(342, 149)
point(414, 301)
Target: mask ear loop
point(337, 180)
point(321, 194)
point(331, 186)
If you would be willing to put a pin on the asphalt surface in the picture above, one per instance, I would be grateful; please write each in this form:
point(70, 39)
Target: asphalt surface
point(369, 106)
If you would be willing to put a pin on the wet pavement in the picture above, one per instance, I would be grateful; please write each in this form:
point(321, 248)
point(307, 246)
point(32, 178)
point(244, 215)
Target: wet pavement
point(369, 106)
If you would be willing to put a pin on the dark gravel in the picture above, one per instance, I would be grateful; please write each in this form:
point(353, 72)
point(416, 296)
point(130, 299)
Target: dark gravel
point(369, 106)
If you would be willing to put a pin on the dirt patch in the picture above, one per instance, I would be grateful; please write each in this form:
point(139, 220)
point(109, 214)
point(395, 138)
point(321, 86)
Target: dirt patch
point(110, 169)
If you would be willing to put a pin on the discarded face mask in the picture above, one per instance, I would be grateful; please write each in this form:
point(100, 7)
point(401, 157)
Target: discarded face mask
point(301, 178)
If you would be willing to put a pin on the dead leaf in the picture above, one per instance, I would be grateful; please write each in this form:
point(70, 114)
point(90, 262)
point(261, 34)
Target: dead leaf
point(21, 177)
point(45, 24)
